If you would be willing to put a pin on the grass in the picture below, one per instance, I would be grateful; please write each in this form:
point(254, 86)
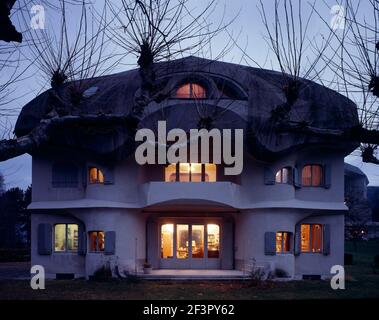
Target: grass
point(362, 282)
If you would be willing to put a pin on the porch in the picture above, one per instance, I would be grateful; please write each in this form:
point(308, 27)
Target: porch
point(192, 274)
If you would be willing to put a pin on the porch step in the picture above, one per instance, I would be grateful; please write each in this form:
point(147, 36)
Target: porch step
point(176, 274)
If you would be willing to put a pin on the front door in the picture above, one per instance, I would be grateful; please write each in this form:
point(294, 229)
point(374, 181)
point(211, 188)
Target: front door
point(190, 245)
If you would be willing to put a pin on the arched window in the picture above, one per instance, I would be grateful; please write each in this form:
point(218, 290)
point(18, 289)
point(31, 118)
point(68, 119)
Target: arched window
point(191, 91)
point(312, 175)
point(283, 175)
point(95, 175)
point(65, 175)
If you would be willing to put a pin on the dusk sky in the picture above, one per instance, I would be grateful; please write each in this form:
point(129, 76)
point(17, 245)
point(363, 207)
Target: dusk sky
point(248, 25)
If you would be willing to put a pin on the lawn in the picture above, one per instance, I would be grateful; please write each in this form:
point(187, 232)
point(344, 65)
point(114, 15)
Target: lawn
point(362, 282)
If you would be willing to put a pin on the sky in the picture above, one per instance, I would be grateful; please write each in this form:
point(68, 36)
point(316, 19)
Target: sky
point(247, 30)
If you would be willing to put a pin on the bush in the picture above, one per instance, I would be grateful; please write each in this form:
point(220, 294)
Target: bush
point(280, 273)
point(348, 259)
point(104, 273)
point(257, 274)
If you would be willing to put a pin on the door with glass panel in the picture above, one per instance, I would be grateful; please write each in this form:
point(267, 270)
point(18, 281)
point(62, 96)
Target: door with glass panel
point(190, 245)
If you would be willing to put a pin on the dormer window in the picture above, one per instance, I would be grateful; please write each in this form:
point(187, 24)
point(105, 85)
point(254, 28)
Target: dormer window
point(191, 91)
point(96, 175)
point(312, 176)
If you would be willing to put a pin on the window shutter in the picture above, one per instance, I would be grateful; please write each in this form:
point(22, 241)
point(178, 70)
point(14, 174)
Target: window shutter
point(296, 178)
point(270, 243)
point(110, 242)
point(82, 240)
point(108, 175)
point(45, 239)
point(327, 176)
point(269, 176)
point(84, 176)
point(297, 247)
point(326, 240)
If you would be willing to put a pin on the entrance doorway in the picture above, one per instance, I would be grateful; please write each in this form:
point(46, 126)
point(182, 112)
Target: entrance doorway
point(190, 245)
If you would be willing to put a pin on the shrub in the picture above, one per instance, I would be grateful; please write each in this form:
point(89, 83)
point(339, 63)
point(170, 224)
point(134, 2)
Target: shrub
point(280, 273)
point(348, 259)
point(257, 274)
point(104, 273)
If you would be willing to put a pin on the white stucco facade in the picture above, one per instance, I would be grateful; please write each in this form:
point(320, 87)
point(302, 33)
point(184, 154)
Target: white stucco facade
point(138, 201)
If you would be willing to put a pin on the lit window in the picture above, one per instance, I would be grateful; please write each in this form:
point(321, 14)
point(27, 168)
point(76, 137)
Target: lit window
point(167, 241)
point(65, 237)
point(182, 241)
point(191, 91)
point(311, 238)
point(282, 176)
point(282, 242)
point(96, 175)
point(96, 241)
point(311, 176)
point(213, 231)
point(191, 172)
point(197, 241)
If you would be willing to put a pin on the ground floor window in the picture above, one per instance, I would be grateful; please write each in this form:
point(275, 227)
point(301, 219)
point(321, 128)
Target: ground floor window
point(311, 238)
point(65, 237)
point(283, 242)
point(194, 241)
point(96, 241)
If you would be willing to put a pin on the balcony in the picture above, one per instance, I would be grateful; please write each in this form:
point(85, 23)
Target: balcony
point(183, 193)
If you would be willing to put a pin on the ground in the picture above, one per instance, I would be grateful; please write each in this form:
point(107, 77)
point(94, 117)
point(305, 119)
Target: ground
point(362, 282)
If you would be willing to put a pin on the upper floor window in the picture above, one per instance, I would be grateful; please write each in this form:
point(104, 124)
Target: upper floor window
point(282, 176)
point(283, 242)
point(190, 172)
point(312, 176)
point(65, 175)
point(66, 237)
point(96, 241)
point(311, 238)
point(191, 91)
point(96, 175)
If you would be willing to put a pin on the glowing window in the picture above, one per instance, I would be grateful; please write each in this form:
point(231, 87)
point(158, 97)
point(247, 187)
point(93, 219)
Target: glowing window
point(167, 241)
point(311, 176)
point(182, 241)
point(197, 241)
point(311, 238)
point(191, 172)
point(282, 176)
point(283, 242)
point(191, 91)
point(65, 237)
point(96, 241)
point(96, 175)
point(213, 231)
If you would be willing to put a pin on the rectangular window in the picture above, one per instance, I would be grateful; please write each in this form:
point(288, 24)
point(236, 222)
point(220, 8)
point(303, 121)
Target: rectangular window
point(182, 241)
point(96, 241)
point(197, 241)
point(191, 172)
point(66, 237)
point(283, 242)
point(213, 231)
point(312, 176)
point(311, 238)
point(96, 175)
point(167, 241)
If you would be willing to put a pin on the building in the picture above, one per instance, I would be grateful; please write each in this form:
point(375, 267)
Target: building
point(358, 219)
point(97, 205)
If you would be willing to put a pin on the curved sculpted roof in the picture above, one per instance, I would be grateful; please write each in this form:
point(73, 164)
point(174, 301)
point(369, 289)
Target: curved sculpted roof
point(237, 97)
